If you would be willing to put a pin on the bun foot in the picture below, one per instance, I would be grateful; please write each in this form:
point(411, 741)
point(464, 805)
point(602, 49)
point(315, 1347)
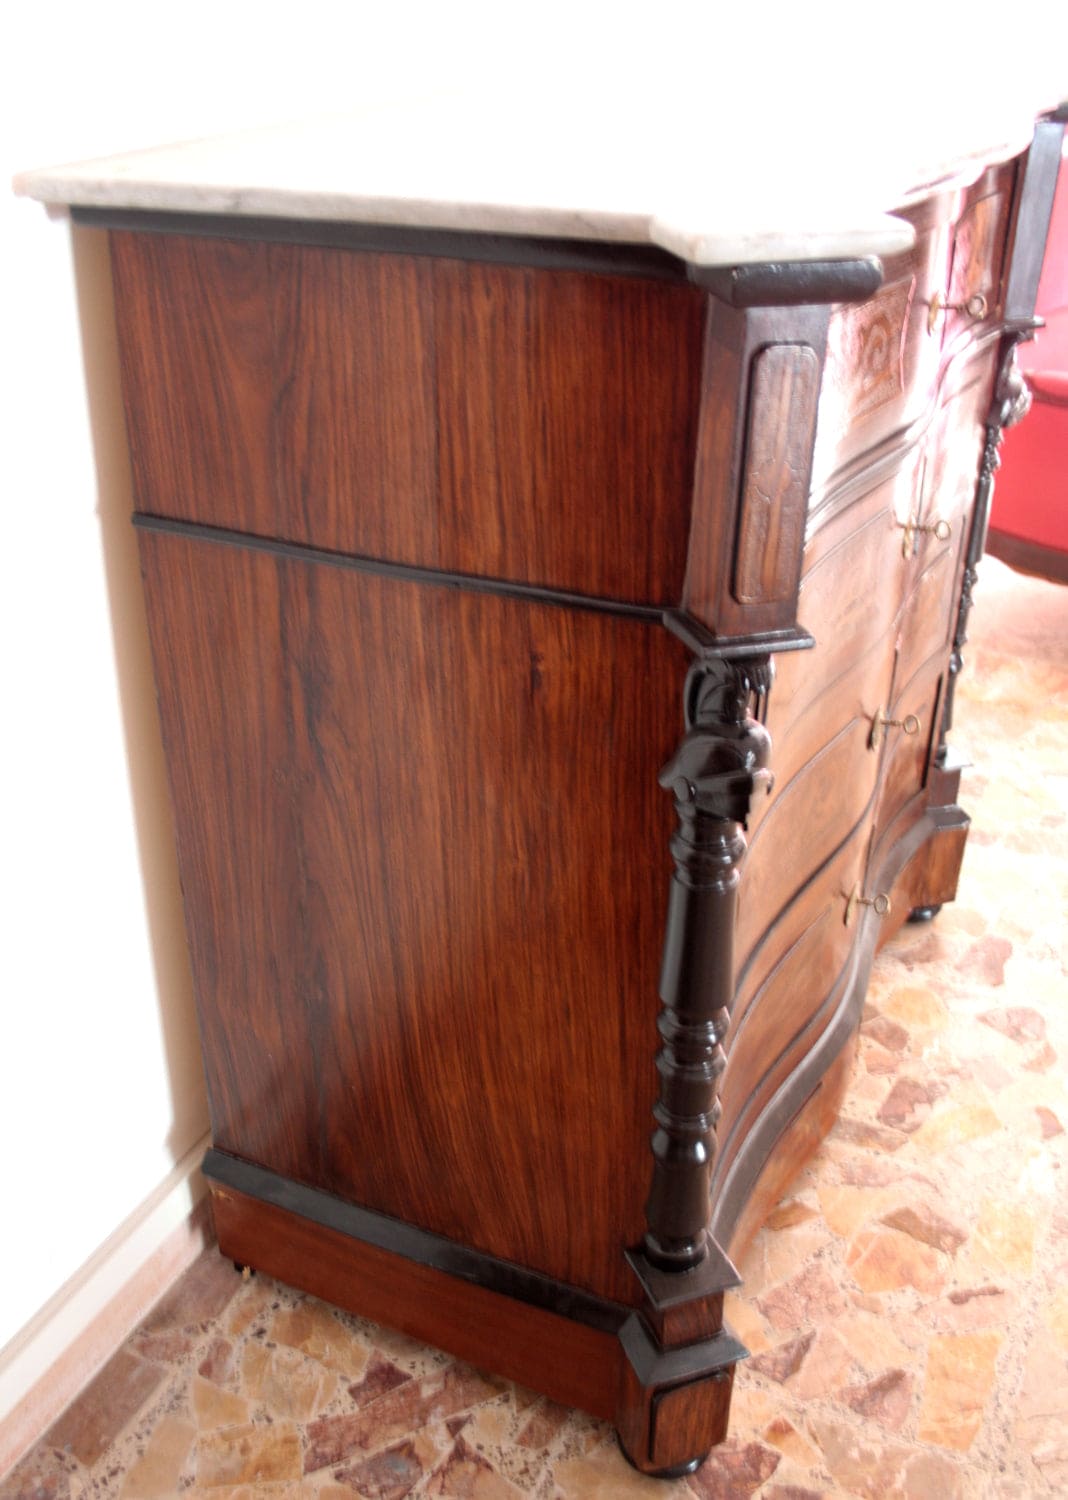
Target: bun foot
point(924, 913)
point(677, 1471)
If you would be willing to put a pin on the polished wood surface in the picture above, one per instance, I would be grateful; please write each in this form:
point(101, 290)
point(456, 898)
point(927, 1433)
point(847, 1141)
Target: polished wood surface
point(409, 522)
point(424, 965)
point(493, 419)
point(571, 1362)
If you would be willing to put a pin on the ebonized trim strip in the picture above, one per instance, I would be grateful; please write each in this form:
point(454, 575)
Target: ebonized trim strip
point(1034, 210)
point(534, 593)
point(598, 257)
point(792, 283)
point(789, 283)
point(399, 1238)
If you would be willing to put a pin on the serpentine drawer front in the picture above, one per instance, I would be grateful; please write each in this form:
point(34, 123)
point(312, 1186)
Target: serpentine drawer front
point(542, 627)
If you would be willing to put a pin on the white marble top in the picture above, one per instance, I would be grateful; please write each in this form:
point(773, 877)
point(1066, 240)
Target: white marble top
point(703, 181)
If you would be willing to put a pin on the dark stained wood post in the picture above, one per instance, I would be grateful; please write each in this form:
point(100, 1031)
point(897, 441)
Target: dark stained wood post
point(680, 1359)
point(713, 775)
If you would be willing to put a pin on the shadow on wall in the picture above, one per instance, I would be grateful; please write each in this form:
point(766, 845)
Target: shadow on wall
point(149, 791)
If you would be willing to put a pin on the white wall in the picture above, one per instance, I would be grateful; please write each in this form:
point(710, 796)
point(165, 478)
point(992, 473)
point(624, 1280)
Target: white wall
point(101, 1089)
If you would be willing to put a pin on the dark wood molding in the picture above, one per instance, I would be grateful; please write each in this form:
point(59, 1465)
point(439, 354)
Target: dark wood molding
point(770, 284)
point(1034, 206)
point(405, 1240)
point(596, 257)
point(695, 635)
point(679, 1370)
point(437, 577)
point(792, 283)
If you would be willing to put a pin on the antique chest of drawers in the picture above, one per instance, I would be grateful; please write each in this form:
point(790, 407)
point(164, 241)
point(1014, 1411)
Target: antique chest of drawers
point(555, 641)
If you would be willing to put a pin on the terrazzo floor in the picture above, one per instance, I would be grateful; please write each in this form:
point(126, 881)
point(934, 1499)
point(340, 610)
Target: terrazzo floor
point(906, 1306)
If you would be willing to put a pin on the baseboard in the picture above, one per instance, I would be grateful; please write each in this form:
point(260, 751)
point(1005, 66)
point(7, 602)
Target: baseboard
point(59, 1351)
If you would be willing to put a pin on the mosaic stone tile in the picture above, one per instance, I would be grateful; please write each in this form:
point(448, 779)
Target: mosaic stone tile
point(923, 1223)
point(252, 1453)
point(885, 1400)
point(785, 1359)
point(157, 1472)
point(959, 1380)
point(214, 1407)
point(198, 1297)
point(883, 1260)
point(734, 1470)
point(89, 1427)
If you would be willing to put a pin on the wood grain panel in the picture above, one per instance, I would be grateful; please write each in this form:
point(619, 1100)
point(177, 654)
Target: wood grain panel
point(954, 449)
point(354, 420)
point(929, 617)
point(978, 252)
point(567, 408)
point(735, 382)
point(197, 356)
point(688, 1419)
point(571, 1363)
point(424, 967)
point(771, 527)
point(535, 425)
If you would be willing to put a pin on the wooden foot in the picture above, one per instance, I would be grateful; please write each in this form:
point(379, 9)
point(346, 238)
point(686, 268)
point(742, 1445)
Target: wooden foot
point(678, 1472)
point(678, 1367)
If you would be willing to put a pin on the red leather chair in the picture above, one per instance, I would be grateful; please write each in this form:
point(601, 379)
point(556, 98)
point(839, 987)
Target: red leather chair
point(1029, 518)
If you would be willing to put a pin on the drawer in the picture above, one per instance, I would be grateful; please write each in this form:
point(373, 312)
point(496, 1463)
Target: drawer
point(906, 757)
point(882, 365)
point(951, 467)
point(516, 423)
point(819, 810)
point(861, 544)
point(929, 615)
point(788, 998)
point(973, 292)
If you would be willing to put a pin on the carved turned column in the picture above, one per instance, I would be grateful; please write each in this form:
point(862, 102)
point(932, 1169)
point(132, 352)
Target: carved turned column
point(1011, 403)
point(680, 1360)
